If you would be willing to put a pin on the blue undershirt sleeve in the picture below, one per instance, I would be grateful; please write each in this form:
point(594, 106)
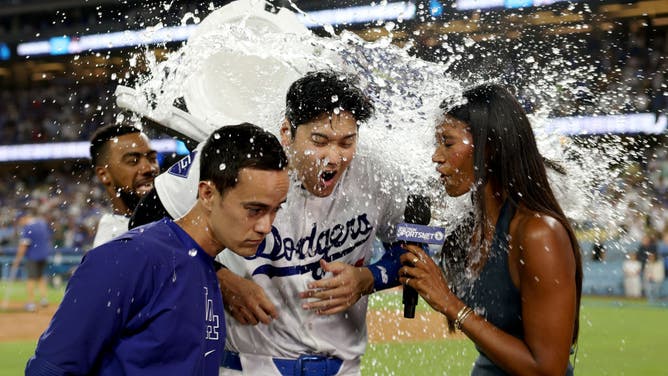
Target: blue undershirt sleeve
point(386, 270)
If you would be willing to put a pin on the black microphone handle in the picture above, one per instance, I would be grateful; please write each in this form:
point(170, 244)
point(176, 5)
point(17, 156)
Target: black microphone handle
point(410, 297)
point(418, 211)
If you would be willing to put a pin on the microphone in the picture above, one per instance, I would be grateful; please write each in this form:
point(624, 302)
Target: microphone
point(415, 230)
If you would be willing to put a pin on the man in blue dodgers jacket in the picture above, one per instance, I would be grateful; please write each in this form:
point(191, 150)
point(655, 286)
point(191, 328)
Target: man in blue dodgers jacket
point(306, 285)
point(148, 302)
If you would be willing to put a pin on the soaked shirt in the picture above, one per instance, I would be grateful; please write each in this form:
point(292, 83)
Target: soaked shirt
point(109, 227)
point(145, 303)
point(340, 227)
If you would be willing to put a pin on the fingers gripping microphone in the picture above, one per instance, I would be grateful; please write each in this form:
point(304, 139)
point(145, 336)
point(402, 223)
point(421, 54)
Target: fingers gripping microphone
point(415, 231)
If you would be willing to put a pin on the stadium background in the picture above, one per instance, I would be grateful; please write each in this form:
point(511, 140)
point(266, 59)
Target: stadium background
point(53, 96)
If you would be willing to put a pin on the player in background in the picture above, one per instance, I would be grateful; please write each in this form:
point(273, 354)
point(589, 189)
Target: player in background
point(148, 302)
point(126, 165)
point(308, 282)
point(35, 245)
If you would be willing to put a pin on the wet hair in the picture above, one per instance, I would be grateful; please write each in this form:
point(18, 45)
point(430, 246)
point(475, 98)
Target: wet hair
point(98, 142)
point(323, 92)
point(233, 147)
point(506, 156)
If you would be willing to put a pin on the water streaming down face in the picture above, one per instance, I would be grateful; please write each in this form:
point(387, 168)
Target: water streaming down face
point(406, 91)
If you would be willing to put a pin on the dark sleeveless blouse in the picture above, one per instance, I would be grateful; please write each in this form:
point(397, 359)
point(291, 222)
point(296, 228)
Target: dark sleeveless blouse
point(493, 295)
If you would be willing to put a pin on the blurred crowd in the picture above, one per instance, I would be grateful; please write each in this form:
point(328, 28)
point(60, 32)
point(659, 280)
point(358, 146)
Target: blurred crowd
point(71, 204)
point(631, 257)
point(113, 16)
point(634, 69)
point(645, 269)
point(622, 70)
point(54, 113)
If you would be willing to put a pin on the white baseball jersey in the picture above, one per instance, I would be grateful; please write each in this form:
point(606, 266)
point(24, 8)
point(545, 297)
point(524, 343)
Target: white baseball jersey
point(340, 227)
point(367, 202)
point(109, 227)
point(177, 187)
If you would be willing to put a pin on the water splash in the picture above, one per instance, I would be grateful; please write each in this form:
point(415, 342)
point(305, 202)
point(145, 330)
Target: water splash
point(407, 92)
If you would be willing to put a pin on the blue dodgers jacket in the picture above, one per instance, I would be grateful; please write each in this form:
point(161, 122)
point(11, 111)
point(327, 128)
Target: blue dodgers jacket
point(146, 303)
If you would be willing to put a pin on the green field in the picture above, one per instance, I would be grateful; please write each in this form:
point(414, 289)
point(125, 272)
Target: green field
point(618, 337)
point(16, 292)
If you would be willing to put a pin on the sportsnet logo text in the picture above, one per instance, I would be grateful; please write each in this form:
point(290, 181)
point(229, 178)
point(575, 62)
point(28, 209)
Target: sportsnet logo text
point(410, 232)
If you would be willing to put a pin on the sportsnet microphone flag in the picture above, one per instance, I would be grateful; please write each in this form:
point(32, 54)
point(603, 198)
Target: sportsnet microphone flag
point(410, 232)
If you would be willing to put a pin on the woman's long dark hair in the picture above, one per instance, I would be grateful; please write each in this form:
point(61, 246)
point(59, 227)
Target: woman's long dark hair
point(506, 156)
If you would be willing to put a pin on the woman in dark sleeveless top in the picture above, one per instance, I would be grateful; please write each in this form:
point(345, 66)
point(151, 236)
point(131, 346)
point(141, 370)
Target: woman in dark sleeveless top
point(513, 286)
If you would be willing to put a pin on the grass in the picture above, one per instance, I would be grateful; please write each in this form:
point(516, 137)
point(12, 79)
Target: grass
point(16, 292)
point(617, 337)
point(446, 357)
point(14, 355)
point(621, 337)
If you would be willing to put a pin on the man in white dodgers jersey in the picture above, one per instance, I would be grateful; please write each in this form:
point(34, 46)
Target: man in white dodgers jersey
point(307, 282)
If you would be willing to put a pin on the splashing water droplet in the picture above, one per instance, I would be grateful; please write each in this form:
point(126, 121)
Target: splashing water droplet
point(222, 167)
point(407, 93)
